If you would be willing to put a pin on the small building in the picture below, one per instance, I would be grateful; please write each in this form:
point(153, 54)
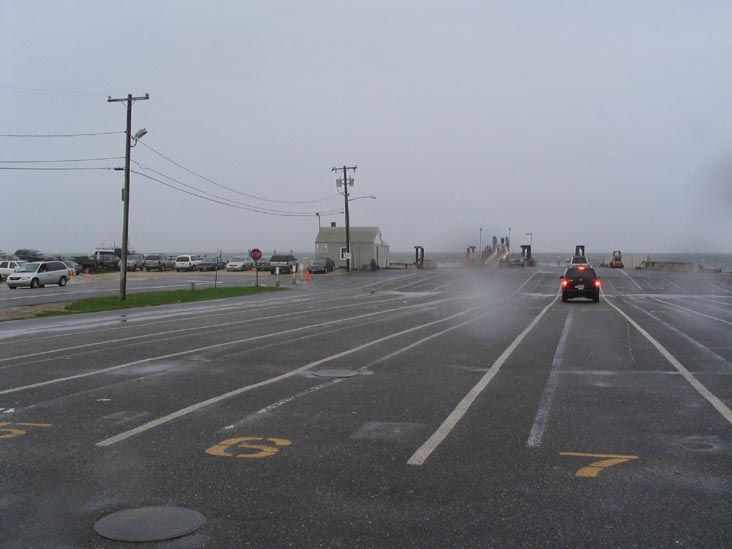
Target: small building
point(366, 244)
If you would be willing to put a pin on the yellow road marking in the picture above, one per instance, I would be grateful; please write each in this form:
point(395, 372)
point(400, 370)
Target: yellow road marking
point(221, 448)
point(594, 469)
point(11, 433)
point(35, 424)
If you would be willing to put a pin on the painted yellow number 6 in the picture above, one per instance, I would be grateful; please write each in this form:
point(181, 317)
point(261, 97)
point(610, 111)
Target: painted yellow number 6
point(262, 450)
point(597, 467)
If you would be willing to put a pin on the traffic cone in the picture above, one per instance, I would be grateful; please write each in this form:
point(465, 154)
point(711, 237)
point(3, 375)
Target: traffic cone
point(309, 276)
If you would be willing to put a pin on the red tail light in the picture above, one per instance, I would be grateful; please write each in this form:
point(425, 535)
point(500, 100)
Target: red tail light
point(580, 268)
point(564, 283)
point(597, 283)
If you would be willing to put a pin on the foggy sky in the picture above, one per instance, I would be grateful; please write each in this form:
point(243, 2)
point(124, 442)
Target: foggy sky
point(607, 124)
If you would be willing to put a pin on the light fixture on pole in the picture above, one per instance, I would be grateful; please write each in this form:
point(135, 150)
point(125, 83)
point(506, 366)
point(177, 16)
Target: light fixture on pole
point(130, 141)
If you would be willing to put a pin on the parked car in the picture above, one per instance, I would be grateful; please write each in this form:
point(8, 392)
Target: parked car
point(211, 264)
point(187, 262)
point(38, 274)
point(29, 254)
point(74, 266)
point(286, 262)
point(240, 264)
point(580, 281)
point(263, 263)
point(322, 265)
point(135, 261)
point(10, 266)
point(158, 262)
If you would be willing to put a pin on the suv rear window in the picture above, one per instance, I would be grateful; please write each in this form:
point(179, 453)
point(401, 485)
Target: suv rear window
point(278, 258)
point(587, 272)
point(153, 257)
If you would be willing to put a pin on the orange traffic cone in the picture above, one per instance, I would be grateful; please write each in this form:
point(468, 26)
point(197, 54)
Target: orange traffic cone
point(308, 277)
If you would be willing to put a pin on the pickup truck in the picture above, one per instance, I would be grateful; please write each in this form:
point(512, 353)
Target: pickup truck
point(286, 262)
point(99, 261)
point(158, 262)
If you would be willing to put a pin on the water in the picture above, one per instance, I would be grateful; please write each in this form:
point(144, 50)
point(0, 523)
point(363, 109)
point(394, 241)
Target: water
point(700, 261)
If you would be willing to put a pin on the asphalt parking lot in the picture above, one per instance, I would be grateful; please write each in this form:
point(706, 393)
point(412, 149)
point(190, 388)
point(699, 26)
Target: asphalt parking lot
point(445, 408)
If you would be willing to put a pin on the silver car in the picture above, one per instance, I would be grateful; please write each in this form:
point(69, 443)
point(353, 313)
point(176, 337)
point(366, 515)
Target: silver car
point(38, 274)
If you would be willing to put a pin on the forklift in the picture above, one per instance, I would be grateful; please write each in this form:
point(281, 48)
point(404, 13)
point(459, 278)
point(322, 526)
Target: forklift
point(617, 260)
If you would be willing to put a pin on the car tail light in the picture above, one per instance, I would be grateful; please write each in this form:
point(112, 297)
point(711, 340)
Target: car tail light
point(581, 268)
point(564, 283)
point(597, 283)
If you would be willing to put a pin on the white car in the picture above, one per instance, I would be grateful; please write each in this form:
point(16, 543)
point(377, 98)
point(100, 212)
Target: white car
point(38, 274)
point(187, 262)
point(240, 264)
point(10, 266)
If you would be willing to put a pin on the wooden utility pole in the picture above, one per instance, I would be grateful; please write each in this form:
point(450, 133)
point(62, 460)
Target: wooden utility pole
point(348, 224)
point(126, 193)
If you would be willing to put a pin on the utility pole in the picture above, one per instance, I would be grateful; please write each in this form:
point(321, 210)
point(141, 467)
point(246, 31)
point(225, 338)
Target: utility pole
point(348, 225)
point(126, 193)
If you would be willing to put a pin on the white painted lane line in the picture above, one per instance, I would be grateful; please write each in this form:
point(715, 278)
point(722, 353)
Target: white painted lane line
point(718, 405)
point(692, 311)
point(200, 330)
point(200, 405)
point(707, 352)
point(421, 455)
point(199, 349)
point(545, 404)
point(631, 279)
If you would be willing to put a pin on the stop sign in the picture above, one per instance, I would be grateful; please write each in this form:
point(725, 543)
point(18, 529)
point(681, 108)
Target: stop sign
point(256, 254)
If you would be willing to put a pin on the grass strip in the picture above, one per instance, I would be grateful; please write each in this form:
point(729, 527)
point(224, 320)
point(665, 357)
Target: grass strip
point(113, 303)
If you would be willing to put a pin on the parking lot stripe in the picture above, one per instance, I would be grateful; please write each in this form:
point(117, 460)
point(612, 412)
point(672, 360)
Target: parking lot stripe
point(545, 404)
point(424, 451)
point(214, 400)
point(718, 405)
point(209, 347)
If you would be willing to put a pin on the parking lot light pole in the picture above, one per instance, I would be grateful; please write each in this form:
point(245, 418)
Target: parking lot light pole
point(126, 192)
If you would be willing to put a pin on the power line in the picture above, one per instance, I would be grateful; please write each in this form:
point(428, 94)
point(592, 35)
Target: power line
point(235, 190)
point(260, 209)
point(51, 169)
point(60, 161)
point(56, 134)
point(231, 204)
point(50, 92)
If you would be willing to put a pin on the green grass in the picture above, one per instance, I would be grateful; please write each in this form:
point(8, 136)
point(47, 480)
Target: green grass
point(97, 304)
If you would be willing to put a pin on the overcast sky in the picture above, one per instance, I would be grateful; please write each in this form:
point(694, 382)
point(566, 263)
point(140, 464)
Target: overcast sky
point(608, 124)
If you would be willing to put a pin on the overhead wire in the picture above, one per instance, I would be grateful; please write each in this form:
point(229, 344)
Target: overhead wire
point(231, 189)
point(56, 169)
point(39, 135)
point(60, 161)
point(231, 204)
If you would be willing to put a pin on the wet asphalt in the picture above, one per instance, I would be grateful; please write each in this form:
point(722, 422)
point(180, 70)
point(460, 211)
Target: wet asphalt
point(445, 408)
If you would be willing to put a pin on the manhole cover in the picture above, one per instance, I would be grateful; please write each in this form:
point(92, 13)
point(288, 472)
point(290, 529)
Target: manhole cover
point(336, 373)
point(149, 524)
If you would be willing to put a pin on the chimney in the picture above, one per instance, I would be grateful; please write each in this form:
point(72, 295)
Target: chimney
point(332, 223)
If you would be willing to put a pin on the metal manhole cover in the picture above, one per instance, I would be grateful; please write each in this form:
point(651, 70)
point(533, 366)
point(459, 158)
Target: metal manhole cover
point(336, 373)
point(149, 524)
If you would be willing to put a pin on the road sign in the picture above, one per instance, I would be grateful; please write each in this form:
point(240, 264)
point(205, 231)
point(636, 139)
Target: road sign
point(256, 254)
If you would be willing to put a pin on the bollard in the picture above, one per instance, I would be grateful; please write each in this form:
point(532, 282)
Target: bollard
point(277, 283)
point(193, 286)
point(294, 280)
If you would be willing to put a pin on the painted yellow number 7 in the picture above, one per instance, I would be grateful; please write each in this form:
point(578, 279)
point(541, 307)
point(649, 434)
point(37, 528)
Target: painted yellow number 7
point(594, 469)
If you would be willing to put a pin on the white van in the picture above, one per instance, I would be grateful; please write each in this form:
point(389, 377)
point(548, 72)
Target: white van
point(187, 262)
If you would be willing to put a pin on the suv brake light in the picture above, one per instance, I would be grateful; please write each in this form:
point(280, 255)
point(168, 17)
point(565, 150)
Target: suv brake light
point(564, 283)
point(597, 283)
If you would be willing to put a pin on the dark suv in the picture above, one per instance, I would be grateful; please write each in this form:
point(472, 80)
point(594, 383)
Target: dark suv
point(286, 262)
point(580, 281)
